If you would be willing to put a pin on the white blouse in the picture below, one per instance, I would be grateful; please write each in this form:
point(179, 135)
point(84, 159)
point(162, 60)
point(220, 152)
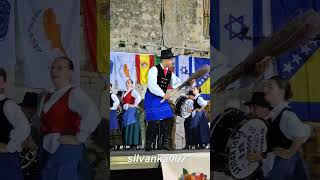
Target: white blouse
point(21, 127)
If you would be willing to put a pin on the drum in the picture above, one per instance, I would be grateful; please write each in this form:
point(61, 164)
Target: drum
point(182, 106)
point(233, 135)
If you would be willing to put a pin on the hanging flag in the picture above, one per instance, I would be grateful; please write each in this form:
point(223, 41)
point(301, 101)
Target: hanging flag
point(112, 68)
point(143, 63)
point(47, 30)
point(203, 82)
point(124, 68)
point(183, 67)
point(236, 28)
point(97, 31)
point(7, 35)
point(301, 65)
point(157, 60)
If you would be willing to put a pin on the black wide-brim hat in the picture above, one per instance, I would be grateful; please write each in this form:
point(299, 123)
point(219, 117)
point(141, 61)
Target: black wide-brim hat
point(30, 99)
point(190, 93)
point(166, 54)
point(258, 98)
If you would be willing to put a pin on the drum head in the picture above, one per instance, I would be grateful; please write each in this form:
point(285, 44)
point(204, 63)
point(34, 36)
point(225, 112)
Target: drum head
point(249, 136)
point(182, 106)
point(187, 105)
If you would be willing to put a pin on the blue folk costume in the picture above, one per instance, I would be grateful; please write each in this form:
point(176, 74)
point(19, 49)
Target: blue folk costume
point(113, 112)
point(157, 111)
point(9, 162)
point(283, 169)
point(131, 124)
point(199, 128)
point(115, 132)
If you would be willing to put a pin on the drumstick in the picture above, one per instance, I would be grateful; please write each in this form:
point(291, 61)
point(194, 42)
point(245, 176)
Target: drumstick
point(204, 70)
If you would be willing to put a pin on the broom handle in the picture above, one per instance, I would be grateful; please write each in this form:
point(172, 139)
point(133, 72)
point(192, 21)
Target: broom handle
point(171, 94)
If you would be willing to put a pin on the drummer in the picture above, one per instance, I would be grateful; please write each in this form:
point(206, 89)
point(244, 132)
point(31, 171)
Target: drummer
point(259, 107)
point(199, 127)
point(187, 122)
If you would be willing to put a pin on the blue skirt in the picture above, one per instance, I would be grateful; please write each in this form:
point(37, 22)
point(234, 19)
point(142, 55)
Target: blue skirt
point(10, 167)
point(63, 164)
point(284, 169)
point(155, 110)
point(199, 129)
point(113, 119)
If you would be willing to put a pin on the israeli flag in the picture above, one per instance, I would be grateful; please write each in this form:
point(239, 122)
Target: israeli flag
point(183, 67)
point(236, 28)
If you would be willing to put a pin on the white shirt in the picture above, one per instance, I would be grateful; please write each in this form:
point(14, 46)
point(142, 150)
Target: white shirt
point(291, 126)
point(134, 94)
point(201, 101)
point(152, 82)
point(78, 102)
point(21, 127)
point(116, 102)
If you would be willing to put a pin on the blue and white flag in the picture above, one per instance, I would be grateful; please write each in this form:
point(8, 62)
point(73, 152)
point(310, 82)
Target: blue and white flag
point(7, 35)
point(183, 67)
point(112, 69)
point(236, 28)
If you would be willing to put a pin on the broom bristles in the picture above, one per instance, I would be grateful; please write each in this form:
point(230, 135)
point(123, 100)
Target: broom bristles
point(201, 72)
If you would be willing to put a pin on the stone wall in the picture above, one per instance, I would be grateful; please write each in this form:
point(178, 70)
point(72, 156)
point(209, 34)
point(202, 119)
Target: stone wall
point(136, 25)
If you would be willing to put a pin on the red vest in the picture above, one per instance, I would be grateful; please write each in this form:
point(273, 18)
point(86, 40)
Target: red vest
point(59, 118)
point(128, 99)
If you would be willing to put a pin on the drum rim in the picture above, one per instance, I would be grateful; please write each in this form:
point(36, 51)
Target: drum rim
point(222, 115)
point(226, 149)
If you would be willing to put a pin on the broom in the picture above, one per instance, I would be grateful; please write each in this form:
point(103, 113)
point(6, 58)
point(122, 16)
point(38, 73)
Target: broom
point(299, 30)
point(201, 72)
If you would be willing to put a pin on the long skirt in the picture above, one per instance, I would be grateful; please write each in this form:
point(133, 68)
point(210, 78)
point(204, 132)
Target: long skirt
point(131, 126)
point(10, 167)
point(199, 129)
point(284, 169)
point(63, 164)
point(155, 110)
point(84, 167)
point(115, 129)
point(113, 120)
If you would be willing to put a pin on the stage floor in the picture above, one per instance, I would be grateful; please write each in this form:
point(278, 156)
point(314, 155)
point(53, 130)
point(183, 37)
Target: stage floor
point(119, 160)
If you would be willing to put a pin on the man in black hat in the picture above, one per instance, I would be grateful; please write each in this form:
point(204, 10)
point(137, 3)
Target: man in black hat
point(159, 77)
point(187, 121)
point(258, 106)
point(29, 106)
